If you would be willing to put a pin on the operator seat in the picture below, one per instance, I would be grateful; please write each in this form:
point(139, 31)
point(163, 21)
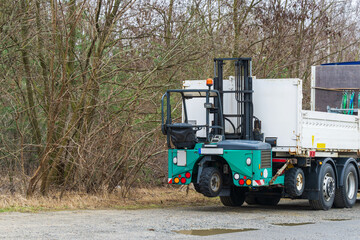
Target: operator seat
point(183, 135)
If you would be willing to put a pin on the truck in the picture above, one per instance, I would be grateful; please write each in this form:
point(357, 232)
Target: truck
point(249, 140)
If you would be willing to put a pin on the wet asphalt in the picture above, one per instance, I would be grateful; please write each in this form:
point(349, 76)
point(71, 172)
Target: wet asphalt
point(291, 219)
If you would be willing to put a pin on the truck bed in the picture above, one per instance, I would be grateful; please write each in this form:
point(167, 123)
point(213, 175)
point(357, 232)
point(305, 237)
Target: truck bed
point(328, 134)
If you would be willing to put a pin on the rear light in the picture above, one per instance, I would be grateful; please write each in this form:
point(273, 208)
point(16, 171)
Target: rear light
point(176, 180)
point(248, 182)
point(183, 180)
point(236, 176)
point(241, 181)
point(187, 175)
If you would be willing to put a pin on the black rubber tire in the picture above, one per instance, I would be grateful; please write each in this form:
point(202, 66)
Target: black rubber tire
point(236, 198)
point(251, 200)
point(341, 196)
point(268, 200)
point(291, 182)
point(208, 174)
point(197, 187)
point(321, 203)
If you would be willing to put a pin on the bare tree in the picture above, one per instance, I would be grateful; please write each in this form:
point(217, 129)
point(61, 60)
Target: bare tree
point(81, 80)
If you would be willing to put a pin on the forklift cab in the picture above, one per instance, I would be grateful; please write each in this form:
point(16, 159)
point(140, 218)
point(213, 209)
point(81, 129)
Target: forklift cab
point(183, 135)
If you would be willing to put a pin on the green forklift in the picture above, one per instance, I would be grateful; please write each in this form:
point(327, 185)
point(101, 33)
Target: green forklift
point(236, 164)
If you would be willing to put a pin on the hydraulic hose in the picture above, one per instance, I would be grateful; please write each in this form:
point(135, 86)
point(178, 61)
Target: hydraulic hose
point(344, 101)
point(351, 104)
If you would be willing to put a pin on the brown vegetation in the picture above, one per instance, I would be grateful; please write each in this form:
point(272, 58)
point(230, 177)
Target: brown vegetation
point(81, 80)
point(140, 198)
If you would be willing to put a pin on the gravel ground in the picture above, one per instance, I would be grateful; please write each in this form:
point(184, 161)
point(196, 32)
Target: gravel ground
point(162, 223)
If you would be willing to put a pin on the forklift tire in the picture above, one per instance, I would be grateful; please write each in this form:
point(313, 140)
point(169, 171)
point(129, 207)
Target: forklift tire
point(197, 187)
point(236, 198)
point(251, 200)
point(268, 201)
point(326, 195)
point(345, 196)
point(294, 182)
point(210, 182)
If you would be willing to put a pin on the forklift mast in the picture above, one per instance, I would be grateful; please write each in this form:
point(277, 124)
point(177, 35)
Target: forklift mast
point(242, 121)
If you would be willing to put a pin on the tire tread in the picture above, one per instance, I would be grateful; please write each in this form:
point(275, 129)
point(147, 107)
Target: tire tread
point(290, 182)
point(204, 182)
point(251, 200)
point(236, 198)
point(227, 201)
point(341, 200)
point(320, 204)
point(316, 204)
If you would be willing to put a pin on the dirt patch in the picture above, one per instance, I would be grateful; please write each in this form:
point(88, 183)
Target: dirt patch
point(139, 198)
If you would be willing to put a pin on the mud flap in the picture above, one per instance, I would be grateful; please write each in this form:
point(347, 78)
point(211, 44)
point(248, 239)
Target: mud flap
point(312, 180)
point(341, 166)
point(201, 166)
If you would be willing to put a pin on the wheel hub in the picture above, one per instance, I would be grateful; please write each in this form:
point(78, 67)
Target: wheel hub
point(215, 182)
point(328, 187)
point(350, 185)
point(299, 182)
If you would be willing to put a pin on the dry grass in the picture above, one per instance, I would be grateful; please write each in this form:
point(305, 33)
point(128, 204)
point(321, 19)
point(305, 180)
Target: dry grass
point(138, 199)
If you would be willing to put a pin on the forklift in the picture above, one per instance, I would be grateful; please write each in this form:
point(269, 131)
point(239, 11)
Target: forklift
point(234, 164)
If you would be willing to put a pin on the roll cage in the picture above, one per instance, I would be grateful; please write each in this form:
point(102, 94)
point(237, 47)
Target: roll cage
point(167, 124)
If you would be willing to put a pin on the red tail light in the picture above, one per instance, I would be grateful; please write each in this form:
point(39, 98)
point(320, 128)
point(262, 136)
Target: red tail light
point(183, 180)
point(187, 175)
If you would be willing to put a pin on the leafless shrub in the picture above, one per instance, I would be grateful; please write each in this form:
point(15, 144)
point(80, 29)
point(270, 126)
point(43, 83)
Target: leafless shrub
point(81, 81)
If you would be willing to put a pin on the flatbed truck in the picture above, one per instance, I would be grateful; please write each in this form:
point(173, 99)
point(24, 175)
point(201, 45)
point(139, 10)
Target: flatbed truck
point(249, 140)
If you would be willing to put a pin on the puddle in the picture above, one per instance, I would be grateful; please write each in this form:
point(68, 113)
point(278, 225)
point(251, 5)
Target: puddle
point(292, 224)
point(337, 220)
point(215, 231)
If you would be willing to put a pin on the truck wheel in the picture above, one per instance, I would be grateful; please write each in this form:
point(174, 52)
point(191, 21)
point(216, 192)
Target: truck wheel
point(327, 189)
point(269, 201)
point(236, 198)
point(345, 196)
point(210, 182)
point(294, 182)
point(251, 200)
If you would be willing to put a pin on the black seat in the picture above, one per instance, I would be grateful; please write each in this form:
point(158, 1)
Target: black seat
point(182, 135)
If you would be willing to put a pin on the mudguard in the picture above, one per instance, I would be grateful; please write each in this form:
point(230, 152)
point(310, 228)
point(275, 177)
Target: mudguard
point(341, 165)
